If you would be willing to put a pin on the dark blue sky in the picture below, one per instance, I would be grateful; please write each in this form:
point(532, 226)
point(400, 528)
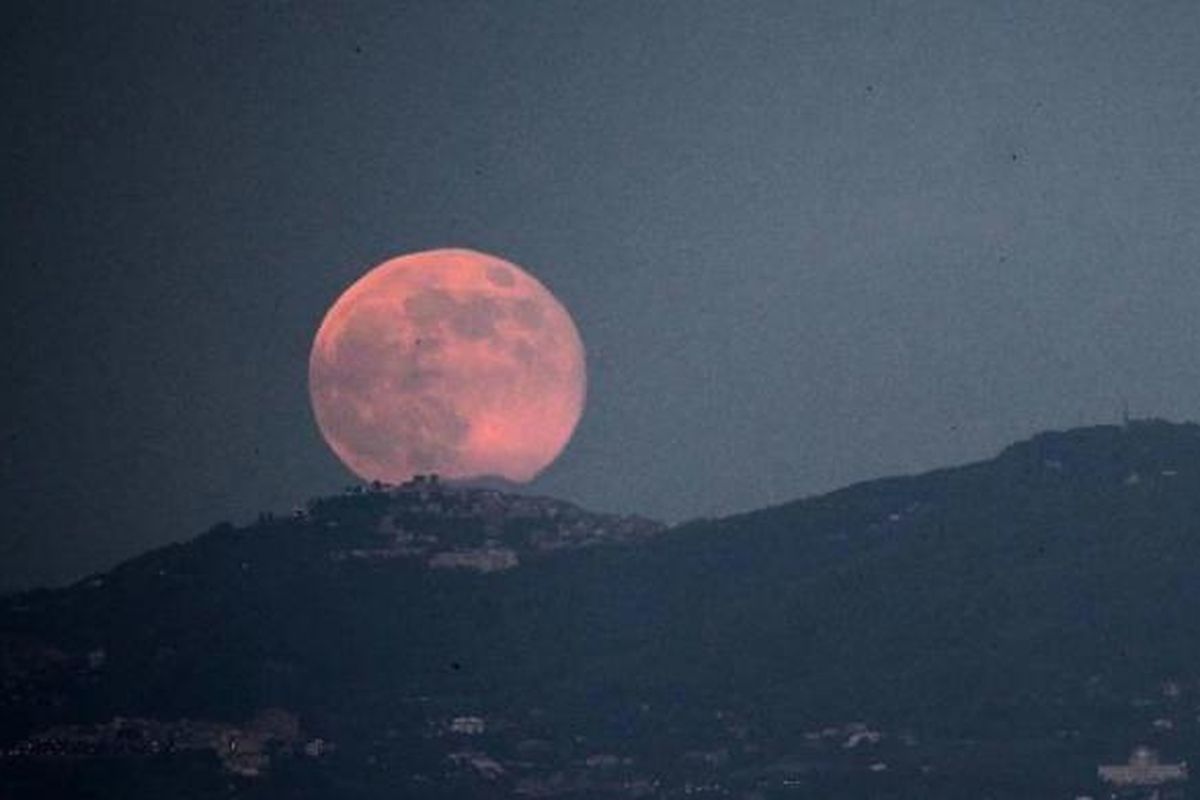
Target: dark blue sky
point(806, 243)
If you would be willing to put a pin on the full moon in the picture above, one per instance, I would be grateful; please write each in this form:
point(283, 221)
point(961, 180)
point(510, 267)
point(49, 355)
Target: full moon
point(447, 361)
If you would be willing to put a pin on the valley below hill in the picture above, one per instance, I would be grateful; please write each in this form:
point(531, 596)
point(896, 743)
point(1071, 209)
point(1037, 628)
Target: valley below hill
point(1001, 629)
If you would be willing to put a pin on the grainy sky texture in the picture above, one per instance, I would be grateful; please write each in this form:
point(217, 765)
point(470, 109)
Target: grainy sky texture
point(806, 243)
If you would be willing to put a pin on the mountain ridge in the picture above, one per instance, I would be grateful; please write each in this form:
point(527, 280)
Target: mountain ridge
point(1000, 602)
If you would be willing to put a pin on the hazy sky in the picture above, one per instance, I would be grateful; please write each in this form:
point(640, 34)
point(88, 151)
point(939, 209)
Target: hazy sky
point(806, 243)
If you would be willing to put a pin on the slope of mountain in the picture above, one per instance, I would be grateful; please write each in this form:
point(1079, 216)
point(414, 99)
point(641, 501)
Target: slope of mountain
point(998, 628)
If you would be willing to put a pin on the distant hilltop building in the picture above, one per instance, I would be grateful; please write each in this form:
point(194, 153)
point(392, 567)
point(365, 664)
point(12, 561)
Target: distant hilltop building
point(432, 479)
point(422, 482)
point(480, 559)
point(1144, 777)
point(468, 726)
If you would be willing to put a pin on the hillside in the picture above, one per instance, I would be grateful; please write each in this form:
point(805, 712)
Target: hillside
point(998, 628)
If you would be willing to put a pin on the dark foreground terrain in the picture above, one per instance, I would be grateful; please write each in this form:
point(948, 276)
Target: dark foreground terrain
point(993, 630)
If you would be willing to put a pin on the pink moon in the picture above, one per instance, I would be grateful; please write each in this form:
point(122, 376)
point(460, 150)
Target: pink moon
point(451, 362)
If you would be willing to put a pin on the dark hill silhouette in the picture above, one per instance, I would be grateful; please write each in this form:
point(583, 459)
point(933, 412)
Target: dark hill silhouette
point(999, 627)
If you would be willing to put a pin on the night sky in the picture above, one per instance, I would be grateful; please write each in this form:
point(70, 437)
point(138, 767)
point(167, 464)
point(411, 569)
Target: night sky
point(805, 243)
